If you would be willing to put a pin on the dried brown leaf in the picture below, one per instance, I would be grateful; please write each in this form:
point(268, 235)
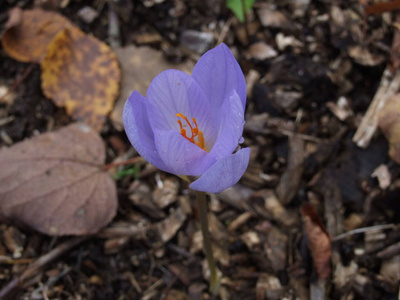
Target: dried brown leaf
point(81, 74)
point(54, 183)
point(319, 241)
point(27, 40)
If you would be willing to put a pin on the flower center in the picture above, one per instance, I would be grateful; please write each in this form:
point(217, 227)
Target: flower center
point(196, 137)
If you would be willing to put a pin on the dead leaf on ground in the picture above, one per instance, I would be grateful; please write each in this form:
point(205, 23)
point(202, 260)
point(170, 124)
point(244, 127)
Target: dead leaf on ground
point(139, 66)
point(318, 239)
point(81, 74)
point(54, 183)
point(389, 123)
point(28, 39)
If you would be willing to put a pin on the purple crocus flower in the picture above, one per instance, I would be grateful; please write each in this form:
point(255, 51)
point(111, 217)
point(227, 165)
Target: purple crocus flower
point(191, 125)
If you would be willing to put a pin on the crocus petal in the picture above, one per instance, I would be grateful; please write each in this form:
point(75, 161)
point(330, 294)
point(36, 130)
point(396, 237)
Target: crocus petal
point(181, 156)
point(138, 130)
point(224, 173)
point(230, 126)
point(173, 92)
point(218, 74)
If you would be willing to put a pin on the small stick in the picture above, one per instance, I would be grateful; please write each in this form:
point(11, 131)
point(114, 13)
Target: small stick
point(123, 163)
point(224, 31)
point(389, 85)
point(389, 251)
point(39, 264)
point(362, 230)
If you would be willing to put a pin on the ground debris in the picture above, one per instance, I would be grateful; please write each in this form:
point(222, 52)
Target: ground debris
point(311, 69)
point(168, 227)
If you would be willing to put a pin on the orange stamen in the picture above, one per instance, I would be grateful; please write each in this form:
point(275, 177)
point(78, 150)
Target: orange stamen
point(194, 130)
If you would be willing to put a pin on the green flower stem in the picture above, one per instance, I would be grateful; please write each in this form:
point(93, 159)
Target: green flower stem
point(202, 203)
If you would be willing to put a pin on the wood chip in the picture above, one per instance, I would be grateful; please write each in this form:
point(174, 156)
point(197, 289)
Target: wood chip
point(240, 221)
point(141, 198)
point(260, 51)
point(167, 194)
point(383, 175)
point(290, 180)
point(168, 227)
point(268, 287)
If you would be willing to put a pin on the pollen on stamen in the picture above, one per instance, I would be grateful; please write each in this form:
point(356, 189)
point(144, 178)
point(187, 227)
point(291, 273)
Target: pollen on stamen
point(194, 130)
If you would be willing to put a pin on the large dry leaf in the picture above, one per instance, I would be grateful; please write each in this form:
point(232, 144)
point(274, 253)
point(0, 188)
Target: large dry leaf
point(81, 74)
point(389, 123)
point(319, 241)
point(27, 41)
point(54, 183)
point(139, 66)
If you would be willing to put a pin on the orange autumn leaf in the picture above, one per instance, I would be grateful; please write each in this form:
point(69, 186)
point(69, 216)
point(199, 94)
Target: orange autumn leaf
point(81, 74)
point(27, 40)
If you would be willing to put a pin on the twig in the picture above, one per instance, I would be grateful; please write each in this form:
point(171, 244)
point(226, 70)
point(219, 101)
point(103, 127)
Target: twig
point(389, 85)
point(52, 281)
point(362, 230)
point(123, 163)
point(224, 31)
point(123, 231)
point(389, 251)
point(299, 135)
point(39, 264)
point(7, 120)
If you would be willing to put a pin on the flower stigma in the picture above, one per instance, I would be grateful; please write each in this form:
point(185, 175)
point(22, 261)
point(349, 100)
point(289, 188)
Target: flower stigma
point(194, 131)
